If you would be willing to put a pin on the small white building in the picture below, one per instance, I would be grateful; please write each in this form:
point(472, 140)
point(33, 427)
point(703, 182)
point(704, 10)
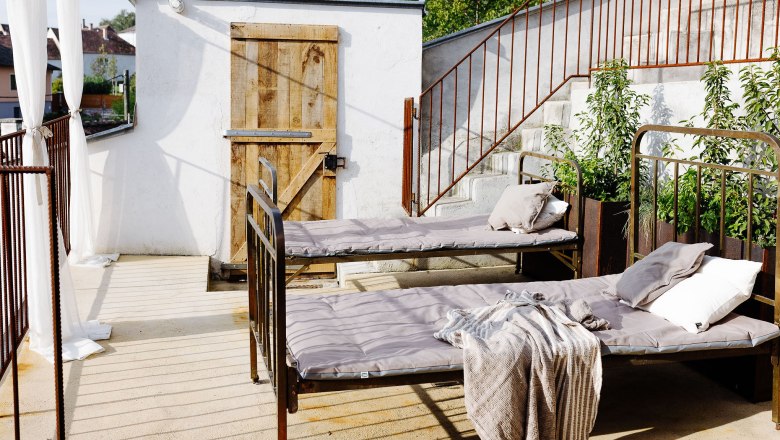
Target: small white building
point(128, 35)
point(173, 184)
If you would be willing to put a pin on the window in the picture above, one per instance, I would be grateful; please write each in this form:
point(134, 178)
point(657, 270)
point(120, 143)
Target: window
point(13, 82)
point(17, 112)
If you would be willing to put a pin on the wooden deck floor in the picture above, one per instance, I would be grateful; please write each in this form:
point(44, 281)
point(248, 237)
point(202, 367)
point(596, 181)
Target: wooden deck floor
point(176, 368)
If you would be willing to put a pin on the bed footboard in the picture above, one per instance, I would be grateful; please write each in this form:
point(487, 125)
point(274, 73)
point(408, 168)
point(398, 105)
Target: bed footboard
point(267, 303)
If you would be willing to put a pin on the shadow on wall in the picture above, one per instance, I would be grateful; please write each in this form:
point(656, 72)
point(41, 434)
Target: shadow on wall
point(143, 190)
point(660, 114)
point(146, 194)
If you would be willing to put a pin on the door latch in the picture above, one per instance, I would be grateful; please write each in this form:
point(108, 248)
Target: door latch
point(332, 162)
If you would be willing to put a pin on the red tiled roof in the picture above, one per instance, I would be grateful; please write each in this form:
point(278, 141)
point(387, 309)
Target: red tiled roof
point(52, 50)
point(6, 52)
point(93, 39)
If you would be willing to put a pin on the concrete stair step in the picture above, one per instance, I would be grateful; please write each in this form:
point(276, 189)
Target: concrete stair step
point(477, 194)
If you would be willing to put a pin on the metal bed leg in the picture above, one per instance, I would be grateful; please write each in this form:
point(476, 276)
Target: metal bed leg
point(577, 257)
point(253, 355)
point(281, 418)
point(519, 264)
point(776, 384)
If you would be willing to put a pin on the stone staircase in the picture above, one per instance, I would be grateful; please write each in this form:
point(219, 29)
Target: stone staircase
point(479, 191)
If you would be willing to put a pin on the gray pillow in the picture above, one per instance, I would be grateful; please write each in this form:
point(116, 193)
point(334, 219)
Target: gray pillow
point(520, 205)
point(659, 271)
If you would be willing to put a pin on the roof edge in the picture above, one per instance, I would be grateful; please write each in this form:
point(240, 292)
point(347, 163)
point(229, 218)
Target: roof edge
point(495, 22)
point(403, 4)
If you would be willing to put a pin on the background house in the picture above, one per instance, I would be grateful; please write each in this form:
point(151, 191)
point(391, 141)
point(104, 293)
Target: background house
point(9, 99)
point(128, 35)
point(96, 40)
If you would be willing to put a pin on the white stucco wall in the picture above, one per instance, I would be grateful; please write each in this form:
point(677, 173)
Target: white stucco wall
point(164, 188)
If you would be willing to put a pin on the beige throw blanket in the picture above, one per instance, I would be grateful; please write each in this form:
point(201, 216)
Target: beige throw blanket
point(531, 369)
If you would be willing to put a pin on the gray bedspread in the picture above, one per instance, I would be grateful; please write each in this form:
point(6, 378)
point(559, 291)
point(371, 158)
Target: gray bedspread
point(390, 332)
point(328, 238)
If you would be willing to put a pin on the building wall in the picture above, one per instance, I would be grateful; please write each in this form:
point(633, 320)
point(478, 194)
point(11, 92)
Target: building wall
point(9, 98)
point(128, 36)
point(164, 188)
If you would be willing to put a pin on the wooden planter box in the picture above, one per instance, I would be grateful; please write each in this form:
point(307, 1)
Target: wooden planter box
point(604, 246)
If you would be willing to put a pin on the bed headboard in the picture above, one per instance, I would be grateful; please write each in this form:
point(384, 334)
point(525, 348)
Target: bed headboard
point(642, 242)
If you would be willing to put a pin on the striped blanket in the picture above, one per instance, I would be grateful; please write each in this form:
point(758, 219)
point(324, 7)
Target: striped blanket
point(532, 369)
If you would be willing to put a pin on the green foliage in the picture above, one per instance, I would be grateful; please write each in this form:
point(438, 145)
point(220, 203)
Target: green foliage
point(606, 131)
point(96, 85)
point(118, 106)
point(443, 17)
point(121, 21)
point(761, 112)
point(56, 85)
point(104, 65)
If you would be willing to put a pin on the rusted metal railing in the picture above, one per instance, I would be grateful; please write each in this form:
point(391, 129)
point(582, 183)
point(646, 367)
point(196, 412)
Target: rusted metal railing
point(408, 172)
point(480, 102)
point(14, 321)
point(14, 316)
point(59, 158)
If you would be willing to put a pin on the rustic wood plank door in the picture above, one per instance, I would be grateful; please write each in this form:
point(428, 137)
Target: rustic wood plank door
point(284, 88)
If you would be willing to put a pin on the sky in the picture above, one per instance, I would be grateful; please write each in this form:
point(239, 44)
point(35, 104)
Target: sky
point(91, 10)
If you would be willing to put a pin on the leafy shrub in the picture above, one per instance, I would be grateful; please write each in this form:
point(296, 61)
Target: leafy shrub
point(56, 85)
point(761, 112)
point(607, 130)
point(96, 85)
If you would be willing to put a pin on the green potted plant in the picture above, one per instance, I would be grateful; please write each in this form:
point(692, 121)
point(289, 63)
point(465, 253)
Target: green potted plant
point(602, 146)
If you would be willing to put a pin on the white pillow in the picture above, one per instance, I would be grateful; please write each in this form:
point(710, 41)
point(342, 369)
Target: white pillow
point(554, 210)
point(711, 293)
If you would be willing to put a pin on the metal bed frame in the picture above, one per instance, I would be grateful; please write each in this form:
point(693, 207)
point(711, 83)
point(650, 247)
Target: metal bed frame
point(267, 292)
point(572, 261)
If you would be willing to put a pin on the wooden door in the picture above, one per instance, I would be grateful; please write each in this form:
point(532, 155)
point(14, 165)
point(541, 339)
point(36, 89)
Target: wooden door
point(284, 88)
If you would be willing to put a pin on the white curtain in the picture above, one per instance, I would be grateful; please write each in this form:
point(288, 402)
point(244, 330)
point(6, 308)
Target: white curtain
point(82, 250)
point(27, 21)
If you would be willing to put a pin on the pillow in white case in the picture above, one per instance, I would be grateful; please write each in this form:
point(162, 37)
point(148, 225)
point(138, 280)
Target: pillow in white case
point(553, 211)
point(711, 293)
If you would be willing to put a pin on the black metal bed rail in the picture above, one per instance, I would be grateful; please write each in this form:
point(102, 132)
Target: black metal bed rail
point(13, 285)
point(267, 294)
point(719, 172)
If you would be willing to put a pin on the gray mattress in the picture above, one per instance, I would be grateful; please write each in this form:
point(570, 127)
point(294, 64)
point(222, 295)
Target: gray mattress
point(391, 332)
point(329, 238)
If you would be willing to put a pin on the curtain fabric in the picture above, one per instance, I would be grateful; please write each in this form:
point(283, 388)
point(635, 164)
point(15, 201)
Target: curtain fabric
point(27, 21)
point(82, 250)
